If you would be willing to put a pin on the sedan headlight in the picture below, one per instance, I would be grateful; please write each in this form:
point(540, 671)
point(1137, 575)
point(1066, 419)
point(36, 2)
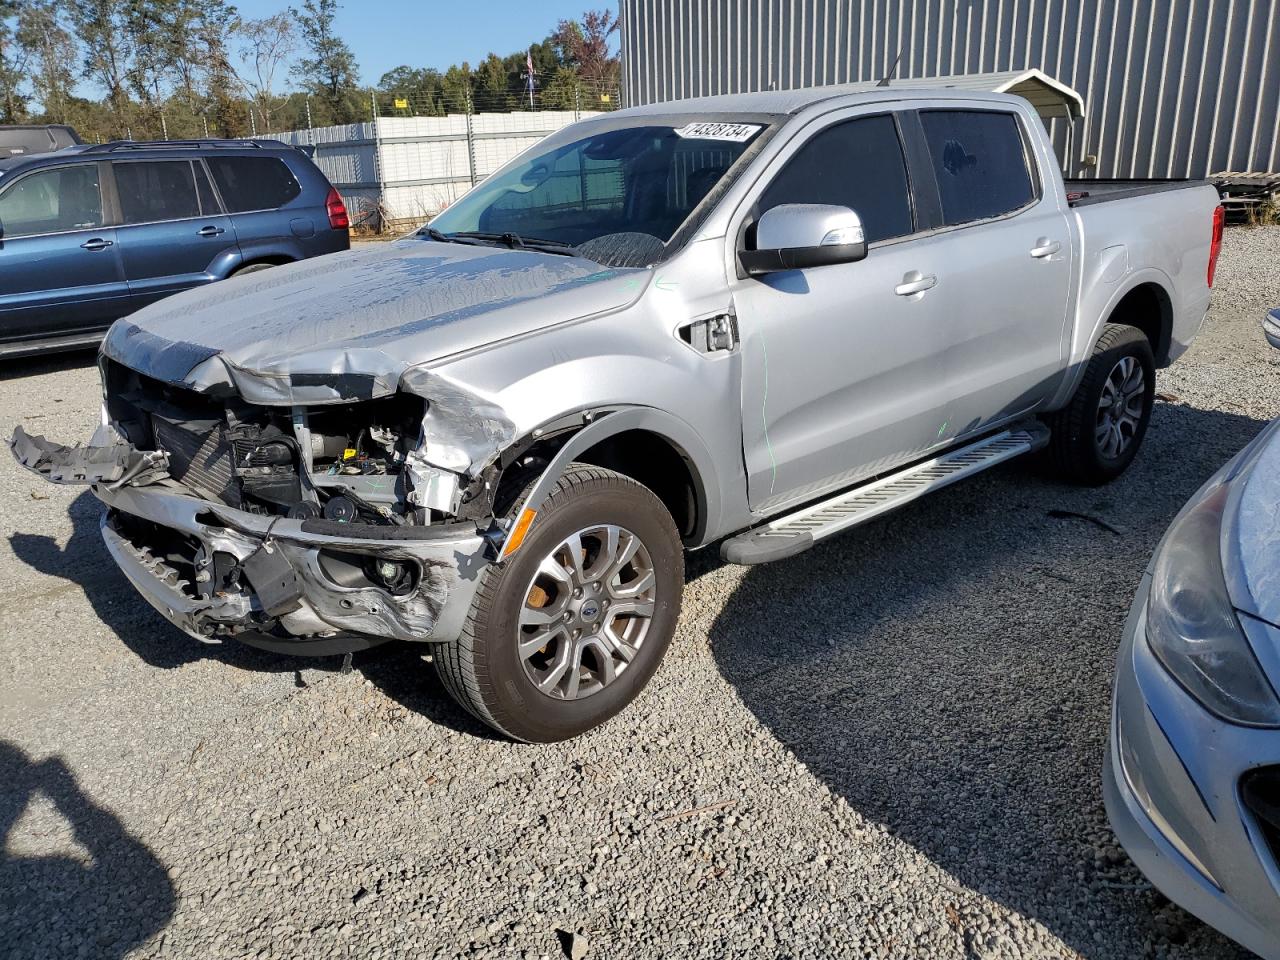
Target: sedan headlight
point(1192, 626)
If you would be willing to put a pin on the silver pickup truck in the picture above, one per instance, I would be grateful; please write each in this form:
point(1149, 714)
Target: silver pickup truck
point(756, 320)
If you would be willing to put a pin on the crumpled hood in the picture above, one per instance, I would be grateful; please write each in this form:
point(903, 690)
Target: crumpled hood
point(1257, 530)
point(346, 326)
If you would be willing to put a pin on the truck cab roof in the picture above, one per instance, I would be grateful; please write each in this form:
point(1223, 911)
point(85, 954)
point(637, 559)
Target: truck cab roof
point(1049, 97)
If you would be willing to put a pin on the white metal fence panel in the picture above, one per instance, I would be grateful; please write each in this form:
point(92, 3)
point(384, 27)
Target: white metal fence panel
point(410, 168)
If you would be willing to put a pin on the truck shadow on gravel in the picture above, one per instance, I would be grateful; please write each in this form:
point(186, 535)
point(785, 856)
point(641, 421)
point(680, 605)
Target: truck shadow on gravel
point(947, 673)
point(62, 905)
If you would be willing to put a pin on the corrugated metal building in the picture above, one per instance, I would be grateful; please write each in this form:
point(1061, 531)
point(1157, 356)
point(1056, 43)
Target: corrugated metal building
point(1172, 88)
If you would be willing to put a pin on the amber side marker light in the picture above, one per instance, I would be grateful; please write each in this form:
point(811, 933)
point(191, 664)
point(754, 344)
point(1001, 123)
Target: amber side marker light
point(518, 532)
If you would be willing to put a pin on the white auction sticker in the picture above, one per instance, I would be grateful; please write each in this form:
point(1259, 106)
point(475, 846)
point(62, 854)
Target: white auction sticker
point(706, 130)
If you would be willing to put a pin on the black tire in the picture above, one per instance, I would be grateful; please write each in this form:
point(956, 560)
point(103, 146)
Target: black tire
point(1075, 453)
point(483, 670)
point(252, 268)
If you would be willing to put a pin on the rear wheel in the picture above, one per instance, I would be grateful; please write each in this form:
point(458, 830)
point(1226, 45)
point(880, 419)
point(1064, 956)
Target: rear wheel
point(1097, 435)
point(569, 630)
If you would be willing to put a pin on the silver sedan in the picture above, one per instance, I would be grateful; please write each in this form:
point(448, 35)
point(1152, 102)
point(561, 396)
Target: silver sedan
point(1192, 780)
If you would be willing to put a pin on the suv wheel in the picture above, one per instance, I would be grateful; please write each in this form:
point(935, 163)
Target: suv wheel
point(1097, 435)
point(569, 630)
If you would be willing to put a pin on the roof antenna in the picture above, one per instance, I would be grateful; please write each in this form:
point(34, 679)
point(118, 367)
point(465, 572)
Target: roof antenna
point(892, 70)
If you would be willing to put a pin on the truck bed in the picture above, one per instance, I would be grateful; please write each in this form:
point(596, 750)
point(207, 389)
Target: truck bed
point(1085, 192)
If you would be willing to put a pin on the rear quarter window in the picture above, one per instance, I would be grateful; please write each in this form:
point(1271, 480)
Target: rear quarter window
point(980, 162)
point(253, 183)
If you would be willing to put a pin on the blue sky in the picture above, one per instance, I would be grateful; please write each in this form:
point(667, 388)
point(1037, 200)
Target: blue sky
point(435, 33)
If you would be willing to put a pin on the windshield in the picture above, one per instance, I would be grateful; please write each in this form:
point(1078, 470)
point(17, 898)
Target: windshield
point(617, 196)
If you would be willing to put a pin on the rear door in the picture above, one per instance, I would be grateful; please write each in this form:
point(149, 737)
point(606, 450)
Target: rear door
point(254, 189)
point(173, 234)
point(1002, 256)
point(60, 271)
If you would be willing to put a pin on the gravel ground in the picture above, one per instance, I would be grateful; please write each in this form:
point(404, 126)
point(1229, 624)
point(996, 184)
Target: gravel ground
point(887, 747)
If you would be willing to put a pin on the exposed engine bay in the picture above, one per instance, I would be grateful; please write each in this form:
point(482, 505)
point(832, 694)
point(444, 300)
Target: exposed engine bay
point(351, 463)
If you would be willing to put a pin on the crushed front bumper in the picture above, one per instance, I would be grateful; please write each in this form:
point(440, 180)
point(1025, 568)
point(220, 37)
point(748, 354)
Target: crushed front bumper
point(296, 602)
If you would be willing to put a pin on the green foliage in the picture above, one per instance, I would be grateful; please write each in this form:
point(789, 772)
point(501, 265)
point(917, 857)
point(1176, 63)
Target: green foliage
point(329, 70)
point(190, 68)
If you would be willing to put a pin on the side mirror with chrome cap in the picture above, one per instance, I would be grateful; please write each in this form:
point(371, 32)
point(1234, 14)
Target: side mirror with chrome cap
point(794, 236)
point(1271, 327)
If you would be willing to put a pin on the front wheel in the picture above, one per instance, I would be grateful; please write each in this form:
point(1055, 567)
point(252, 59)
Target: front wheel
point(1097, 435)
point(565, 633)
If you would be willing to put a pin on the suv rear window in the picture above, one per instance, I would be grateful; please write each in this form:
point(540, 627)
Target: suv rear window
point(980, 162)
point(253, 183)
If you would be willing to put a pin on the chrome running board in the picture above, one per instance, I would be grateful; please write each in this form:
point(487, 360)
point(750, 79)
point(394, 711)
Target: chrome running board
point(797, 531)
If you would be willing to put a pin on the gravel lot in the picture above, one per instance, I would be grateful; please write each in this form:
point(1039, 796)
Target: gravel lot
point(887, 747)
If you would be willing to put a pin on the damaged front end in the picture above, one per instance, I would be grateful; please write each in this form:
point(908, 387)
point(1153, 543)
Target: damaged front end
point(312, 529)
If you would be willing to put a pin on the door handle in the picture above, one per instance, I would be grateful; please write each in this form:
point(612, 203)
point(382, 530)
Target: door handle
point(209, 231)
point(97, 243)
point(1045, 248)
point(915, 282)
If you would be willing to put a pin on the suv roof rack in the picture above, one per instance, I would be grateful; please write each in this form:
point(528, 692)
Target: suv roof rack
point(115, 145)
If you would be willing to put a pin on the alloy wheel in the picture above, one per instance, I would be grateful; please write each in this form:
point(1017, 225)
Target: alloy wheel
point(1120, 407)
point(587, 612)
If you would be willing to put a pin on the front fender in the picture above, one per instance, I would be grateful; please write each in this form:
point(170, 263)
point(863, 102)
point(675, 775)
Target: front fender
point(617, 421)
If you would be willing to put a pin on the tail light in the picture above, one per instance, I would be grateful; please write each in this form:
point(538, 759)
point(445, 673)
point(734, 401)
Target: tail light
point(1215, 245)
point(339, 220)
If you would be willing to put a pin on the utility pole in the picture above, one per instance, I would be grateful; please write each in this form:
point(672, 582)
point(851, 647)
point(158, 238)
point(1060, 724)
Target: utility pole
point(377, 159)
point(311, 136)
point(471, 141)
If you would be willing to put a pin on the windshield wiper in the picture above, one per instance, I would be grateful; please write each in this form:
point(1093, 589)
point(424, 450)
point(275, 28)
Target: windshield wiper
point(440, 237)
point(517, 242)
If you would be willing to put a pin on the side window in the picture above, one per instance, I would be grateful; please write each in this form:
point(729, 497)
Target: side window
point(980, 161)
point(856, 164)
point(253, 183)
point(52, 201)
point(156, 190)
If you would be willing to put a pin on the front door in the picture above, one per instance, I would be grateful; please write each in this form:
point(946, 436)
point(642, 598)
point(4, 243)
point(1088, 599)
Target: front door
point(60, 272)
point(840, 362)
point(173, 234)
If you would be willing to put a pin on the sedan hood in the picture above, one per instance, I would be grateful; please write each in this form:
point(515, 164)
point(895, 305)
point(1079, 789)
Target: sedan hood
point(347, 326)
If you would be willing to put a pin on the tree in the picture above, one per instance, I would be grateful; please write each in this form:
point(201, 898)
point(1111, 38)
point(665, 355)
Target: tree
point(13, 59)
point(266, 45)
point(101, 26)
point(422, 88)
point(330, 70)
point(584, 45)
point(52, 52)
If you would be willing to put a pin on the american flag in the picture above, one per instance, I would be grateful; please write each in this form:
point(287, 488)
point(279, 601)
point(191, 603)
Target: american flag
point(528, 64)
